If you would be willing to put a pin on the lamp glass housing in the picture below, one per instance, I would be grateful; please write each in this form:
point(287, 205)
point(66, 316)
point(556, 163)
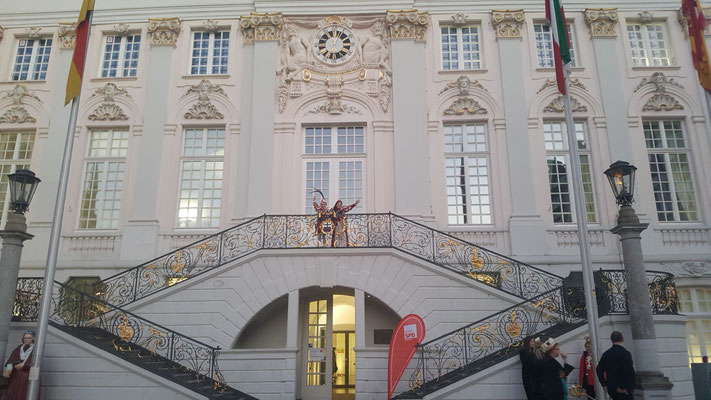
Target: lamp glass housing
point(621, 176)
point(23, 184)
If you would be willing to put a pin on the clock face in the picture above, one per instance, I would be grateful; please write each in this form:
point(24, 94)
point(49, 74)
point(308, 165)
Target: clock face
point(334, 44)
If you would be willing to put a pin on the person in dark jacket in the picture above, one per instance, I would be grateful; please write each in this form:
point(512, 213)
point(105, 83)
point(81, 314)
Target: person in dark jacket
point(616, 371)
point(550, 372)
point(528, 357)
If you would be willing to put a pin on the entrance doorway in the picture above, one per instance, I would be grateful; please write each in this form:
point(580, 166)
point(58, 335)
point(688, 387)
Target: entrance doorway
point(328, 358)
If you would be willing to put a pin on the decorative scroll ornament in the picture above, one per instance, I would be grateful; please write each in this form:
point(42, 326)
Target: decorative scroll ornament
point(33, 32)
point(333, 107)
point(258, 27)
point(557, 105)
point(16, 115)
point(601, 21)
point(108, 112)
point(109, 91)
point(467, 104)
point(407, 24)
point(121, 29)
point(163, 31)
point(67, 33)
point(507, 23)
point(203, 110)
point(646, 17)
point(464, 84)
point(460, 18)
point(334, 20)
point(210, 25)
point(204, 89)
point(659, 80)
point(662, 102)
point(18, 94)
point(574, 83)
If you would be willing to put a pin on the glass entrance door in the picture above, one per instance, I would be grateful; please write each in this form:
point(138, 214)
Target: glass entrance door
point(343, 362)
point(317, 354)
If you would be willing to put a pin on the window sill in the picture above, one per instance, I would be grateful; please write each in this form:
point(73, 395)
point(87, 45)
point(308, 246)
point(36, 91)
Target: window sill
point(462, 71)
point(216, 76)
point(122, 78)
point(652, 68)
point(25, 81)
point(549, 69)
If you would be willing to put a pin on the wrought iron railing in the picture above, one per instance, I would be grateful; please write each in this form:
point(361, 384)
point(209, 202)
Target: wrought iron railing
point(27, 299)
point(662, 291)
point(299, 232)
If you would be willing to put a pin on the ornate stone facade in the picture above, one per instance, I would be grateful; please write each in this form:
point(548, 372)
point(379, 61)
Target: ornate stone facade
point(16, 115)
point(261, 27)
point(507, 23)
point(108, 112)
point(407, 24)
point(67, 33)
point(18, 94)
point(601, 21)
point(557, 106)
point(109, 91)
point(163, 31)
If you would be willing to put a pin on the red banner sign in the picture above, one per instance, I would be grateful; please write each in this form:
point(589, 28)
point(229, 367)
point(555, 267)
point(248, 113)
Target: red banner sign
point(409, 332)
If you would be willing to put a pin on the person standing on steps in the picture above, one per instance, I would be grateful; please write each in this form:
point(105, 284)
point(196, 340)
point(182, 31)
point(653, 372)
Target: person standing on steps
point(528, 357)
point(17, 368)
point(616, 370)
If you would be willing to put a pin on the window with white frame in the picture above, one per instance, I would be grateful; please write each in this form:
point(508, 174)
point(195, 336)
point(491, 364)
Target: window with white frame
point(103, 179)
point(334, 160)
point(31, 59)
point(201, 178)
point(15, 153)
point(544, 45)
point(560, 174)
point(648, 45)
point(120, 58)
point(467, 174)
point(210, 51)
point(461, 47)
point(695, 303)
point(671, 174)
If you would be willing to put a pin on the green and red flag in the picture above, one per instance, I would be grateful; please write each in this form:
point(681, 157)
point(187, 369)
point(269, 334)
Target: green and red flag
point(696, 21)
point(76, 71)
point(561, 43)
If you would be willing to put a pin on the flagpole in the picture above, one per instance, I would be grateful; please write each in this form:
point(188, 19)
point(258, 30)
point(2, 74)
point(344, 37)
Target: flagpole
point(48, 282)
point(583, 237)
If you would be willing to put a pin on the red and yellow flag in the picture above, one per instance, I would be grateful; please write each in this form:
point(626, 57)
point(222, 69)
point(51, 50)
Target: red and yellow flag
point(76, 71)
point(696, 22)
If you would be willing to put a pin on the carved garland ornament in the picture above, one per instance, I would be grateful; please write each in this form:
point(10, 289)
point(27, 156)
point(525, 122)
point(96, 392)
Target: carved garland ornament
point(108, 112)
point(67, 33)
point(203, 110)
point(109, 91)
point(469, 105)
point(163, 31)
point(258, 27)
point(204, 89)
point(464, 84)
point(557, 105)
point(407, 24)
point(121, 29)
point(601, 21)
point(333, 107)
point(574, 83)
point(660, 81)
point(18, 94)
point(33, 32)
point(16, 115)
point(507, 23)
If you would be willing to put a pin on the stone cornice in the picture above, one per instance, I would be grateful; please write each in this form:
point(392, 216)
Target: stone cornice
point(407, 24)
point(601, 21)
point(163, 31)
point(507, 23)
point(258, 27)
point(67, 33)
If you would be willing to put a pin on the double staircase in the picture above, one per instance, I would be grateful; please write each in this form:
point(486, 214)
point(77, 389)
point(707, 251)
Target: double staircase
point(548, 307)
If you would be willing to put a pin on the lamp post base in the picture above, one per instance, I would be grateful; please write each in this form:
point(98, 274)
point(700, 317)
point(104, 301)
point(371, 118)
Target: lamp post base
point(652, 385)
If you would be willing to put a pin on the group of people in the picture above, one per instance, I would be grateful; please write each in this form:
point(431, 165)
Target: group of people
point(17, 368)
point(544, 378)
point(332, 222)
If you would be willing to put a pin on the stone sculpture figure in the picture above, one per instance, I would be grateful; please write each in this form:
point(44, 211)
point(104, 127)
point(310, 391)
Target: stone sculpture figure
point(374, 50)
point(294, 54)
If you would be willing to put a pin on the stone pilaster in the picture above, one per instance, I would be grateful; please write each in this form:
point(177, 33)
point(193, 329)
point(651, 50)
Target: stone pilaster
point(258, 27)
point(407, 24)
point(163, 31)
point(67, 33)
point(507, 23)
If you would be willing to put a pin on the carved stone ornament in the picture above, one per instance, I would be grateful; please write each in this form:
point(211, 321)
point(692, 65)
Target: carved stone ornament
point(67, 33)
point(557, 105)
point(464, 84)
point(18, 94)
point(203, 110)
point(210, 25)
point(109, 91)
point(122, 29)
point(204, 89)
point(646, 17)
point(507, 23)
point(258, 27)
point(460, 18)
point(695, 269)
point(662, 102)
point(469, 105)
point(659, 80)
point(601, 21)
point(16, 115)
point(574, 83)
point(707, 16)
point(407, 24)
point(108, 112)
point(333, 107)
point(163, 31)
point(334, 20)
point(33, 32)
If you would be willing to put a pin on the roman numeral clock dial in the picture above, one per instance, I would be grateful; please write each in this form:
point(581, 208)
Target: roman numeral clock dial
point(334, 44)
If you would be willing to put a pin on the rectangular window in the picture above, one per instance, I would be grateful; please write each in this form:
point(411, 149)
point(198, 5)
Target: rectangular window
point(671, 173)
point(201, 178)
point(209, 53)
point(120, 56)
point(696, 304)
point(560, 174)
point(467, 174)
point(648, 46)
point(15, 153)
point(103, 179)
point(544, 45)
point(341, 170)
point(461, 48)
point(32, 60)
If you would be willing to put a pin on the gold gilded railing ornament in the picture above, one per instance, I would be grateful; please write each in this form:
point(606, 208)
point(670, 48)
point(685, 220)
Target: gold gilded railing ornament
point(513, 328)
point(125, 331)
point(178, 265)
point(476, 262)
point(416, 381)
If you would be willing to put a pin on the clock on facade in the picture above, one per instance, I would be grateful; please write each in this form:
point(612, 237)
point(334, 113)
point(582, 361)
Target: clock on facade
point(334, 44)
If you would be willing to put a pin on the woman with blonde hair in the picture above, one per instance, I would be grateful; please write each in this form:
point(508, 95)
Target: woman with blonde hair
point(552, 373)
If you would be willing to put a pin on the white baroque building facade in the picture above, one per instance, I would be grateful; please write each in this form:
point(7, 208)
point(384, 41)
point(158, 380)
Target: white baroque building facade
point(195, 119)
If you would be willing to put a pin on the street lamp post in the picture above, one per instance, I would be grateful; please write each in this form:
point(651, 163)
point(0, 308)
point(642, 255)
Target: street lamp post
point(23, 184)
point(651, 383)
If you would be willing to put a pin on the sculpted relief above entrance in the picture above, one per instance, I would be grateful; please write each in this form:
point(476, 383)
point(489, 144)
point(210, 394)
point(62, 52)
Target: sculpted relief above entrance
point(331, 54)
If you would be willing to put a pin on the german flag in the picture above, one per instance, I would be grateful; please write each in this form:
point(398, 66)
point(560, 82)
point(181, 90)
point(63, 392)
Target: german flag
point(76, 71)
point(696, 22)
